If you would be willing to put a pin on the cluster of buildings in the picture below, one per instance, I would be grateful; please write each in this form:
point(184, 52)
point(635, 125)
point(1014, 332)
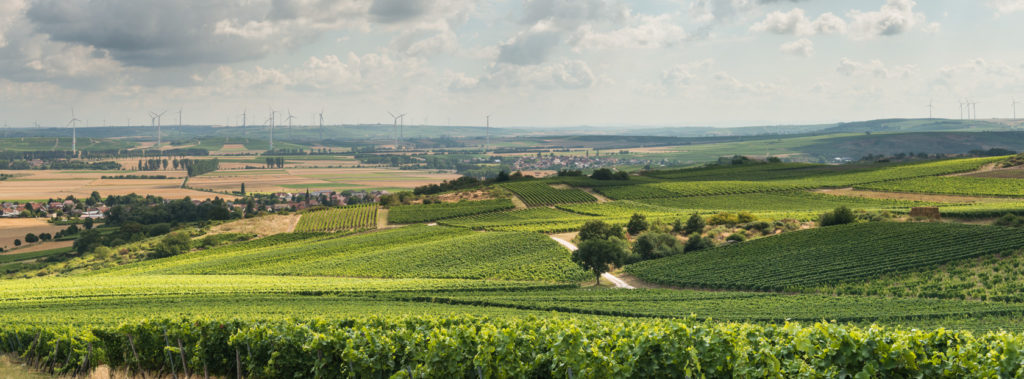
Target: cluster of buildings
point(297, 200)
point(53, 209)
point(572, 162)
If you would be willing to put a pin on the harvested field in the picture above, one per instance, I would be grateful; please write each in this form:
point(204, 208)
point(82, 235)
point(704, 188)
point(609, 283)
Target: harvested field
point(16, 228)
point(261, 226)
point(337, 179)
point(45, 184)
point(39, 246)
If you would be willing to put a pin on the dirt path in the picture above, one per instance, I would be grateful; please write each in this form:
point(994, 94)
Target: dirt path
point(518, 202)
point(382, 218)
point(619, 283)
point(600, 198)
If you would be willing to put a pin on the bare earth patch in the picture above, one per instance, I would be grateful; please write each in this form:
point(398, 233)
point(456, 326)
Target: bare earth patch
point(261, 226)
point(39, 246)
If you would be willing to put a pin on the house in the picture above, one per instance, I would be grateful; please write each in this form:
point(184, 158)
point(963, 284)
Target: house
point(93, 214)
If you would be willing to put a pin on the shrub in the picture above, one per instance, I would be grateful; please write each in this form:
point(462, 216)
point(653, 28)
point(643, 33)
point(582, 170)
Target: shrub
point(839, 216)
point(653, 245)
point(763, 227)
point(695, 224)
point(173, 244)
point(103, 252)
point(736, 237)
point(696, 242)
point(31, 238)
point(745, 217)
point(637, 224)
point(724, 218)
point(1009, 220)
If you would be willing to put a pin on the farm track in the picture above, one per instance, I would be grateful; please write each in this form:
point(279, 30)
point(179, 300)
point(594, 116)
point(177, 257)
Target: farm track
point(619, 283)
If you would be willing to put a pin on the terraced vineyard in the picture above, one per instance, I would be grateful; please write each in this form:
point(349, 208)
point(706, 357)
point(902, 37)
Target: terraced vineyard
point(829, 255)
point(954, 185)
point(785, 201)
point(539, 193)
point(696, 188)
point(407, 214)
point(362, 216)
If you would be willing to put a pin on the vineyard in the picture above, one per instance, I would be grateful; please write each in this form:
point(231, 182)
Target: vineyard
point(539, 193)
point(954, 185)
point(787, 201)
point(407, 214)
point(828, 256)
point(534, 220)
point(497, 347)
point(362, 216)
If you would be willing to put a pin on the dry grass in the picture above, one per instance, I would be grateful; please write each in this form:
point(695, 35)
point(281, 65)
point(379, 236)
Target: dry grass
point(261, 226)
point(46, 184)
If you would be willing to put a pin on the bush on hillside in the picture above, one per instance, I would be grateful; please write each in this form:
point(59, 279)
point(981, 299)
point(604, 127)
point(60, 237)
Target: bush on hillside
point(696, 242)
point(695, 224)
point(637, 223)
point(653, 245)
point(839, 216)
point(600, 230)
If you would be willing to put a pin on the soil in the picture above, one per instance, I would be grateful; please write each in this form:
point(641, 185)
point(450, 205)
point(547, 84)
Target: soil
point(261, 226)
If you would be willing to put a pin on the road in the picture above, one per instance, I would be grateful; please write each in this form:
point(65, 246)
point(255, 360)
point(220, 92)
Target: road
point(619, 283)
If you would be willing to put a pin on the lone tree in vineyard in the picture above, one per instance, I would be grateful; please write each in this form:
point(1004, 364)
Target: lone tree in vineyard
point(596, 254)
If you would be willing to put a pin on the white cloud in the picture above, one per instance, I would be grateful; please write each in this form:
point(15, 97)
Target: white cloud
point(874, 68)
point(1003, 7)
point(802, 47)
point(532, 46)
point(642, 32)
point(684, 74)
point(895, 17)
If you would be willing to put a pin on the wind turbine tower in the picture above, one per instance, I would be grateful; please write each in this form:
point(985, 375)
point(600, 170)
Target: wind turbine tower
point(179, 120)
point(290, 117)
point(321, 124)
point(159, 120)
point(487, 131)
point(961, 109)
point(974, 111)
point(395, 126)
point(74, 133)
point(244, 135)
point(272, 113)
point(929, 109)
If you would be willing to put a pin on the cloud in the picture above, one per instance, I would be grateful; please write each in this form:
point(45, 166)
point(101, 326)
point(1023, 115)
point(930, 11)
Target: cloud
point(684, 74)
point(895, 17)
point(873, 68)
point(530, 47)
point(802, 47)
point(569, 15)
point(642, 32)
point(564, 75)
point(1003, 7)
point(391, 11)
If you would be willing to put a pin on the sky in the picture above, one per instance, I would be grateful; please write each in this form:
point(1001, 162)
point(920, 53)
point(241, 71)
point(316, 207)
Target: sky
point(524, 62)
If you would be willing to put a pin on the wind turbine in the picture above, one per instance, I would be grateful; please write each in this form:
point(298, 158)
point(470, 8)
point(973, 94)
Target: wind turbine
point(961, 109)
point(488, 134)
point(321, 124)
point(395, 126)
point(272, 113)
point(179, 120)
point(975, 110)
point(244, 110)
point(74, 132)
point(159, 118)
point(290, 117)
point(1013, 103)
point(929, 109)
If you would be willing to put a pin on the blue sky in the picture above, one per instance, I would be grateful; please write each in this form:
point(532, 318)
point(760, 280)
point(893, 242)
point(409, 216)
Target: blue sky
point(528, 63)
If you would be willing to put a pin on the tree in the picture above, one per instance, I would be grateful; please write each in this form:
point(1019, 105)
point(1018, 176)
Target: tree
point(696, 242)
point(839, 216)
point(45, 236)
point(31, 238)
point(652, 245)
point(598, 229)
point(243, 189)
point(173, 244)
point(87, 241)
point(88, 223)
point(637, 224)
point(695, 224)
point(17, 242)
point(596, 254)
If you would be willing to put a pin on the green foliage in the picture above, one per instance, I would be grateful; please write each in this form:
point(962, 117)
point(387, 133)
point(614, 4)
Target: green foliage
point(824, 256)
point(1008, 220)
point(696, 242)
point(539, 193)
point(595, 255)
point(31, 238)
point(352, 217)
point(839, 216)
point(694, 224)
point(534, 219)
point(637, 223)
point(953, 185)
point(87, 240)
point(608, 174)
point(653, 245)
point(601, 230)
point(172, 244)
point(407, 214)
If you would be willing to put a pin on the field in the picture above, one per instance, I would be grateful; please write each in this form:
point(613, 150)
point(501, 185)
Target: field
point(44, 184)
point(352, 217)
point(537, 193)
point(16, 228)
point(407, 214)
point(829, 255)
point(953, 185)
point(336, 179)
point(479, 288)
